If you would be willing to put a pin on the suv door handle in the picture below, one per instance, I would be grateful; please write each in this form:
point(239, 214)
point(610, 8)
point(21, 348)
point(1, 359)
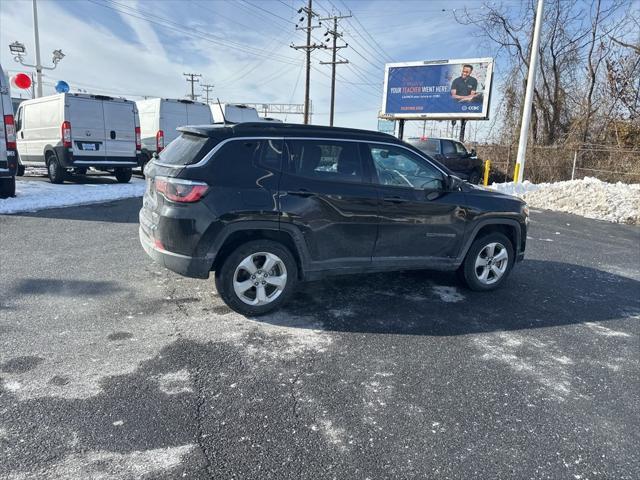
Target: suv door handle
point(300, 193)
point(396, 199)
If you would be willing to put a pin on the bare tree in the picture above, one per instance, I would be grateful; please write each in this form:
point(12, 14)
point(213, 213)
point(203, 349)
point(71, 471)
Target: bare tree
point(584, 81)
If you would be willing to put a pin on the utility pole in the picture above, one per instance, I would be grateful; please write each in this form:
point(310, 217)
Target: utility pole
point(463, 126)
point(191, 78)
point(207, 88)
point(36, 36)
point(308, 47)
point(334, 49)
point(528, 98)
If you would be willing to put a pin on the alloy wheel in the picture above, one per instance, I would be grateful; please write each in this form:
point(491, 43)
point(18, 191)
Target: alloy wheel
point(260, 278)
point(491, 263)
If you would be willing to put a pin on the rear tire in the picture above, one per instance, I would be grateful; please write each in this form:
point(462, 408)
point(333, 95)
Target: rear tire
point(488, 263)
point(123, 175)
point(7, 187)
point(20, 171)
point(54, 169)
point(241, 277)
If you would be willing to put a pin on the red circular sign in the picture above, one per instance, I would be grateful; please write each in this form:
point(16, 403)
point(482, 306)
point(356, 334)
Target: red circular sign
point(21, 80)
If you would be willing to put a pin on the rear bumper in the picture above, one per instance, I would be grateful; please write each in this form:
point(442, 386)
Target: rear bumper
point(9, 166)
point(195, 267)
point(69, 160)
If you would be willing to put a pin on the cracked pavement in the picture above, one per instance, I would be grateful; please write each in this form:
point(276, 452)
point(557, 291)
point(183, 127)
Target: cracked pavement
point(112, 367)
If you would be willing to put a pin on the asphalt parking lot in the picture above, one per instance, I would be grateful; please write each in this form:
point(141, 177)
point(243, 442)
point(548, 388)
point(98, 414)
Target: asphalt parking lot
point(112, 367)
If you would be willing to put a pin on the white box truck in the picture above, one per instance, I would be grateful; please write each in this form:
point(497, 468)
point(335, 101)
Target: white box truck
point(73, 131)
point(160, 118)
point(8, 156)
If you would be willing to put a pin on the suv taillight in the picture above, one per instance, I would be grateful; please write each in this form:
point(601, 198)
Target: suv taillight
point(66, 134)
point(179, 190)
point(10, 132)
point(138, 139)
point(159, 141)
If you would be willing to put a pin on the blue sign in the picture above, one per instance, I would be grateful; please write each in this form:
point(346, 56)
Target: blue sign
point(443, 90)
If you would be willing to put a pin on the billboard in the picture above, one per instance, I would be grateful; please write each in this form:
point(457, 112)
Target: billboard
point(437, 90)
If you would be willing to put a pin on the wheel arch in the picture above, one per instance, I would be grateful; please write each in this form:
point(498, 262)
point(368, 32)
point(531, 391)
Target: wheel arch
point(509, 227)
point(237, 235)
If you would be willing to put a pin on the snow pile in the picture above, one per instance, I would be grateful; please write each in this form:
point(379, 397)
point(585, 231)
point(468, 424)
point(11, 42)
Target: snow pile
point(589, 197)
point(34, 195)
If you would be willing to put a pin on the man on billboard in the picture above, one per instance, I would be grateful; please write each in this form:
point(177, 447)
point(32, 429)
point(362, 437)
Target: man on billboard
point(463, 88)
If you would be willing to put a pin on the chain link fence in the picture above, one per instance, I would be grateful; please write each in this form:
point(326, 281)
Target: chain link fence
point(554, 164)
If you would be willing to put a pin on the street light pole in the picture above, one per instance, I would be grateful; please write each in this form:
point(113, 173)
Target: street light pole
point(528, 99)
point(36, 36)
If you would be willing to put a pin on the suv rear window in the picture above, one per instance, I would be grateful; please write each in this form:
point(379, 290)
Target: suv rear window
point(186, 149)
point(428, 145)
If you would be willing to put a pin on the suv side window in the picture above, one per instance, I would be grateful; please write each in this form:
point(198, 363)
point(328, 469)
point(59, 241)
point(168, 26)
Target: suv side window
point(448, 147)
point(398, 167)
point(271, 154)
point(329, 160)
point(460, 148)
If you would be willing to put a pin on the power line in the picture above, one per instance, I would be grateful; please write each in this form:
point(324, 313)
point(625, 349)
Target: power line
point(193, 32)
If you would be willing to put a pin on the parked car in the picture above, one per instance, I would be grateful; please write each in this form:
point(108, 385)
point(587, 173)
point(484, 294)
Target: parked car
point(267, 205)
point(453, 155)
point(234, 113)
point(72, 132)
point(160, 118)
point(8, 156)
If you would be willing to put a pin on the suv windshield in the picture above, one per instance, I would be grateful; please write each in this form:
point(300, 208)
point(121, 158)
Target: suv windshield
point(186, 149)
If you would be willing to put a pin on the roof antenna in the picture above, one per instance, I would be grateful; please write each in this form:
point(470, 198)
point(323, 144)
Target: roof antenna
point(224, 119)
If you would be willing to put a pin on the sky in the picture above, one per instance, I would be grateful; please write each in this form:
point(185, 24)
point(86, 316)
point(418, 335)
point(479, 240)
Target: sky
point(242, 47)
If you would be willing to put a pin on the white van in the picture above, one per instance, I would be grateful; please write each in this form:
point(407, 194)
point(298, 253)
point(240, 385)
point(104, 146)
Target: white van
point(74, 131)
point(8, 157)
point(234, 113)
point(160, 118)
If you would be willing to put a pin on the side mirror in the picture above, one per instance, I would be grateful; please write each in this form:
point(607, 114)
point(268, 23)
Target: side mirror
point(452, 183)
point(473, 152)
point(155, 155)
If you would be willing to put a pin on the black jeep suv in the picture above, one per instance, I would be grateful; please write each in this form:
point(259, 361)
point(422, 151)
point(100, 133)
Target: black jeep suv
point(268, 205)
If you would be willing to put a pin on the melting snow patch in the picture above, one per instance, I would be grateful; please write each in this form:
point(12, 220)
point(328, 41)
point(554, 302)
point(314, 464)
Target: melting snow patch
point(448, 294)
point(605, 331)
point(175, 382)
point(33, 195)
point(528, 356)
point(333, 434)
point(589, 197)
point(106, 465)
point(12, 386)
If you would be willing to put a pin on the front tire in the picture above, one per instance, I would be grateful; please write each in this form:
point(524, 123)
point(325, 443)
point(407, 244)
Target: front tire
point(7, 187)
point(123, 175)
point(257, 278)
point(488, 262)
point(54, 169)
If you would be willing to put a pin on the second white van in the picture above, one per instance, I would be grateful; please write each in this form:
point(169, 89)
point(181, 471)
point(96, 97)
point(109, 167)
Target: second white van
point(161, 117)
point(71, 132)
